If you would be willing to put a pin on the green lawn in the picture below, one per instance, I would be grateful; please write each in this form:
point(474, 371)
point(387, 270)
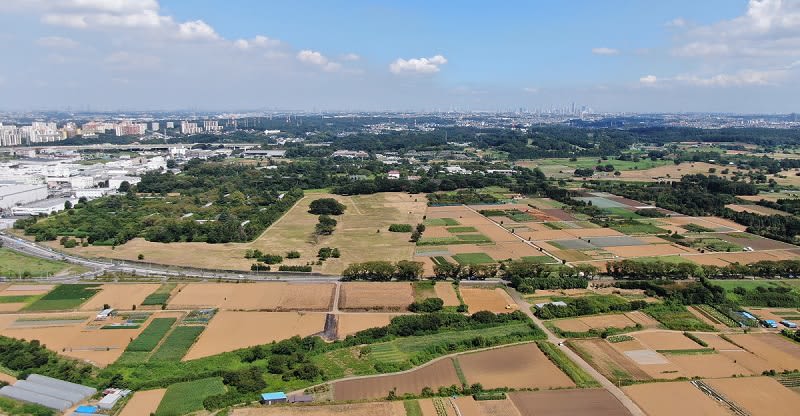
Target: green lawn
point(68, 296)
point(14, 264)
point(473, 258)
point(677, 317)
point(177, 343)
point(456, 230)
point(591, 162)
point(151, 336)
point(187, 397)
point(441, 222)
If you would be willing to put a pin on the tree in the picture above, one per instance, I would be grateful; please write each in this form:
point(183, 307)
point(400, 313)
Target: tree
point(325, 226)
point(67, 205)
point(124, 187)
point(326, 206)
point(408, 270)
point(140, 256)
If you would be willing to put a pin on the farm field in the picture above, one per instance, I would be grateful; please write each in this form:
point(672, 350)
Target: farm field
point(519, 366)
point(439, 373)
point(230, 330)
point(658, 399)
point(119, 296)
point(15, 264)
point(143, 402)
point(586, 323)
point(582, 402)
point(756, 209)
point(447, 293)
point(779, 353)
point(269, 296)
point(494, 300)
point(350, 323)
point(355, 235)
point(758, 395)
point(388, 296)
point(187, 397)
point(355, 409)
point(66, 296)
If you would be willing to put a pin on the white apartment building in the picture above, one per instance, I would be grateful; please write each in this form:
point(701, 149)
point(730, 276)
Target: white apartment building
point(211, 126)
point(154, 126)
point(189, 128)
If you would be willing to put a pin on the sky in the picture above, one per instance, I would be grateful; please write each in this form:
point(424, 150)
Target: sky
point(614, 55)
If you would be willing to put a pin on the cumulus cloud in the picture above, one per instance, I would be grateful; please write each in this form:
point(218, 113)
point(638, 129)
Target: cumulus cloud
point(417, 65)
point(605, 51)
point(648, 79)
point(257, 42)
point(350, 57)
point(315, 58)
point(197, 29)
point(57, 42)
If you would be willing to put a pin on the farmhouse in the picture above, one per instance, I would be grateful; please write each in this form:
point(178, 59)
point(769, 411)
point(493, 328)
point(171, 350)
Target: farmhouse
point(273, 398)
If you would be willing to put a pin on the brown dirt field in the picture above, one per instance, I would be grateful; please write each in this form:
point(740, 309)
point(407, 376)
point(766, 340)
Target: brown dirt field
point(7, 378)
point(519, 366)
point(756, 198)
point(500, 251)
point(642, 318)
point(707, 222)
point(355, 235)
point(746, 257)
point(446, 292)
point(429, 409)
point(497, 408)
point(756, 209)
point(674, 172)
point(707, 259)
point(647, 250)
point(593, 232)
point(440, 373)
point(776, 353)
point(658, 399)
point(607, 360)
point(754, 241)
point(24, 290)
point(271, 296)
point(356, 409)
point(437, 231)
point(119, 296)
point(665, 340)
point(350, 323)
point(765, 313)
point(586, 323)
point(707, 365)
point(230, 331)
point(722, 222)
point(715, 341)
point(759, 395)
point(11, 307)
point(390, 296)
point(583, 402)
point(496, 300)
point(143, 402)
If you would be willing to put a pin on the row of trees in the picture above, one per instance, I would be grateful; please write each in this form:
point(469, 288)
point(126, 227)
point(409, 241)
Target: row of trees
point(640, 270)
point(383, 271)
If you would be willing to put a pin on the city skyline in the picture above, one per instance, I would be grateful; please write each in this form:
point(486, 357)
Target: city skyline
point(718, 56)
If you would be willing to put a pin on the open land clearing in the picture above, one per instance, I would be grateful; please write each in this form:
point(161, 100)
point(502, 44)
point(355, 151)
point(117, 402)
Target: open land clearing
point(434, 375)
point(350, 323)
point(519, 366)
point(388, 296)
point(779, 353)
point(494, 300)
point(230, 331)
point(447, 293)
point(269, 296)
point(143, 402)
point(119, 296)
point(659, 399)
point(586, 323)
point(582, 402)
point(356, 409)
point(468, 406)
point(758, 395)
point(355, 236)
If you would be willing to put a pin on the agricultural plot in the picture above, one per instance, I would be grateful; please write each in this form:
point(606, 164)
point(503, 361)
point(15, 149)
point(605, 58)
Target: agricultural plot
point(756, 209)
point(67, 296)
point(600, 322)
point(388, 296)
point(177, 343)
point(597, 402)
point(520, 366)
point(350, 323)
point(268, 296)
point(187, 397)
point(119, 296)
point(152, 335)
point(353, 409)
point(447, 293)
point(438, 374)
point(230, 331)
point(658, 399)
point(160, 296)
point(493, 300)
point(773, 351)
point(758, 395)
point(473, 258)
point(143, 402)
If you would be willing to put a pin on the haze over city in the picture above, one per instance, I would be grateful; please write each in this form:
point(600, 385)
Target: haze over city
point(613, 56)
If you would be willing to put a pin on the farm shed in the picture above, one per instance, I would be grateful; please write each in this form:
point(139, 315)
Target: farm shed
point(273, 397)
point(48, 392)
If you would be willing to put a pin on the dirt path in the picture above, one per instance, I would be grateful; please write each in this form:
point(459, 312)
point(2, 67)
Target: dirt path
point(335, 306)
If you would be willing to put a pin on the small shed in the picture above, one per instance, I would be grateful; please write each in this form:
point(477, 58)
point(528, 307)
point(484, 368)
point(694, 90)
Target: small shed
point(301, 398)
point(273, 397)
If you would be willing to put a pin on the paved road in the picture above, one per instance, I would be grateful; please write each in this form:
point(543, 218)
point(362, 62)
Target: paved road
point(608, 385)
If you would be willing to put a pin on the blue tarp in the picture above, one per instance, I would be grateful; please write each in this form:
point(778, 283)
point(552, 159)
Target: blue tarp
point(89, 410)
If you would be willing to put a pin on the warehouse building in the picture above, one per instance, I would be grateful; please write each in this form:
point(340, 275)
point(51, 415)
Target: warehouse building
point(14, 195)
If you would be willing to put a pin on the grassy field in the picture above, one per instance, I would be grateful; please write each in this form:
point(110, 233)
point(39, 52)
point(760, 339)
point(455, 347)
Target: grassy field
point(187, 397)
point(177, 343)
point(577, 374)
point(441, 222)
point(456, 230)
point(412, 408)
point(457, 239)
point(473, 258)
point(68, 296)
point(151, 336)
point(622, 213)
point(591, 162)
point(539, 259)
point(14, 264)
point(677, 317)
point(160, 296)
point(636, 227)
point(17, 299)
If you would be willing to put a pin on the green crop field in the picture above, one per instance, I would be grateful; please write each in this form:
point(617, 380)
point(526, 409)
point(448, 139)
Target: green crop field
point(636, 227)
point(68, 296)
point(14, 264)
point(622, 213)
point(539, 259)
point(457, 239)
point(151, 336)
point(473, 258)
point(17, 299)
point(677, 317)
point(160, 296)
point(441, 222)
point(456, 230)
point(187, 397)
point(177, 343)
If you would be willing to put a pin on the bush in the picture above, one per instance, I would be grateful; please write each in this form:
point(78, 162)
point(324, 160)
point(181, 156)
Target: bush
point(285, 268)
point(326, 206)
point(427, 305)
point(270, 259)
point(259, 267)
point(401, 228)
point(293, 254)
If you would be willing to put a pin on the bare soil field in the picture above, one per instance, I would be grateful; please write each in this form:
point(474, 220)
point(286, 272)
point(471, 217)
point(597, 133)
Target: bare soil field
point(754, 241)
point(270, 296)
point(25, 290)
point(586, 323)
point(386, 296)
point(583, 402)
point(230, 331)
point(607, 360)
point(119, 296)
point(648, 250)
point(350, 323)
point(7, 378)
point(758, 395)
point(593, 232)
point(494, 300)
point(671, 172)
point(707, 365)
point(143, 403)
point(446, 292)
point(665, 340)
point(500, 251)
point(468, 406)
point(642, 318)
point(756, 209)
point(355, 236)
point(693, 310)
point(658, 399)
point(355, 409)
point(440, 373)
point(518, 366)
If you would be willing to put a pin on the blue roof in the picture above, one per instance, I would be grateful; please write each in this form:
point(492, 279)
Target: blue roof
point(86, 409)
point(273, 396)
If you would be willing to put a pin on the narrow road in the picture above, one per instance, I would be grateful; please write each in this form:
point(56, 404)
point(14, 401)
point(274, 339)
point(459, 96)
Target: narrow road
point(608, 385)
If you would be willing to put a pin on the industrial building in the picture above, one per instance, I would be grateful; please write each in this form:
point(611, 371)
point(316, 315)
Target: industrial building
point(14, 195)
point(47, 206)
point(48, 392)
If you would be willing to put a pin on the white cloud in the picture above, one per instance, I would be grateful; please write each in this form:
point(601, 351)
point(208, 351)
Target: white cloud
point(197, 29)
point(648, 79)
point(350, 57)
point(257, 42)
point(418, 65)
point(57, 42)
point(315, 58)
point(115, 6)
point(530, 90)
point(605, 51)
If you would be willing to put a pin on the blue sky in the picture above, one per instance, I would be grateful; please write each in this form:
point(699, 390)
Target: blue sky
point(614, 55)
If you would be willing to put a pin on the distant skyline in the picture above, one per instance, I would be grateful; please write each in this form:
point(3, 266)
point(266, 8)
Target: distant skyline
point(617, 55)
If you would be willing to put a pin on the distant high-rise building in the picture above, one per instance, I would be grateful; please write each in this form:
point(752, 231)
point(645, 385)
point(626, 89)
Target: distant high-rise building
point(170, 125)
point(154, 126)
point(211, 126)
point(127, 128)
point(189, 128)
